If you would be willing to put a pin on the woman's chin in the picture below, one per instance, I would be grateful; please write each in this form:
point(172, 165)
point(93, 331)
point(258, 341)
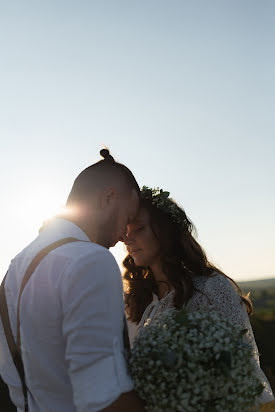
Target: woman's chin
point(138, 261)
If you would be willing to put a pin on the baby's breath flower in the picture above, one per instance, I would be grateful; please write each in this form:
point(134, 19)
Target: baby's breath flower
point(194, 362)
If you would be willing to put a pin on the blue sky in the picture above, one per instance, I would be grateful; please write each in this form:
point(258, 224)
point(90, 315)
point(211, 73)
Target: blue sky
point(182, 92)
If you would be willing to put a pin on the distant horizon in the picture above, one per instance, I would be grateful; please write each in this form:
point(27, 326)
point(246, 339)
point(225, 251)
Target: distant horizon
point(257, 280)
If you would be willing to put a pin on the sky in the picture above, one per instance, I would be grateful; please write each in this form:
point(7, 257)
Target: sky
point(182, 92)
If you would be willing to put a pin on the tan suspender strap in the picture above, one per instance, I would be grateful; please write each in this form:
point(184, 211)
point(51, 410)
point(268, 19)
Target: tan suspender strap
point(15, 348)
point(17, 360)
point(33, 265)
point(5, 314)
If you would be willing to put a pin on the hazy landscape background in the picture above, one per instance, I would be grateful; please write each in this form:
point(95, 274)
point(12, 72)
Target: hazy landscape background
point(263, 322)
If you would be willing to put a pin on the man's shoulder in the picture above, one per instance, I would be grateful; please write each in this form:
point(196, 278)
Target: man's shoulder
point(87, 255)
point(80, 251)
point(71, 256)
point(79, 248)
point(91, 268)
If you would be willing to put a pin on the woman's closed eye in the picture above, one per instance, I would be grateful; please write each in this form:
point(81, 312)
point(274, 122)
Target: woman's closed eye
point(139, 229)
point(134, 230)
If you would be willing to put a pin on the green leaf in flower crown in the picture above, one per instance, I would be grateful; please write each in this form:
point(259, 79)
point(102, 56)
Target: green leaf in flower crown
point(165, 194)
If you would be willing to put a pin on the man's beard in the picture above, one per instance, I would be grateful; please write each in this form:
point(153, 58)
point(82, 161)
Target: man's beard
point(105, 241)
point(108, 233)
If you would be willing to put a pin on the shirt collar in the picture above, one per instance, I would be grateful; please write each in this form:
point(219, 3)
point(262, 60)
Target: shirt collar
point(62, 228)
point(156, 299)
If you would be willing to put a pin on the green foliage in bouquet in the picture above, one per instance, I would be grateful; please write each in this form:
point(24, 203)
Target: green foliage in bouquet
point(194, 362)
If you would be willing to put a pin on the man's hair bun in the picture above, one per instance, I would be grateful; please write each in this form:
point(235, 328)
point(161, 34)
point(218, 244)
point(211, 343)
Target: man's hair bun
point(106, 154)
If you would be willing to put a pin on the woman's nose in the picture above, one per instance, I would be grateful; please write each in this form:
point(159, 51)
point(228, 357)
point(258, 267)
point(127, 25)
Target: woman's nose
point(127, 238)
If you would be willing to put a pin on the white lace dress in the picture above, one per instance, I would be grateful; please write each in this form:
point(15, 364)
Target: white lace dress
point(219, 294)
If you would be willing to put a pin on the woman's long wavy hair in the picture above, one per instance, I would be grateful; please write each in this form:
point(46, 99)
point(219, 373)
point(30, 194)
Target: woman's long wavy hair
point(182, 259)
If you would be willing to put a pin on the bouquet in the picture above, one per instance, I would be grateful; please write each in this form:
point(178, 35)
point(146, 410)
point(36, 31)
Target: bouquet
point(194, 362)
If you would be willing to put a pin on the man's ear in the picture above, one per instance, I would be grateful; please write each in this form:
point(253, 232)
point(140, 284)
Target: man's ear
point(108, 195)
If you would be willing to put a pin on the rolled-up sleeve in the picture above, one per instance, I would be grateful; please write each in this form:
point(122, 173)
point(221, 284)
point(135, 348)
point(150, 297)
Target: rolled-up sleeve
point(93, 310)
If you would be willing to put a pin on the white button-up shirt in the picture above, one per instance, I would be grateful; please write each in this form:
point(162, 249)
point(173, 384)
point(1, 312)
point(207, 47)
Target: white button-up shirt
point(71, 325)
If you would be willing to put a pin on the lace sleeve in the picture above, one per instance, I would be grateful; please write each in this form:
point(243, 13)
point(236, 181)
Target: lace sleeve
point(219, 294)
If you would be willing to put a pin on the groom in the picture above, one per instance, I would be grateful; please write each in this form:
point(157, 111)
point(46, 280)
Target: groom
point(71, 308)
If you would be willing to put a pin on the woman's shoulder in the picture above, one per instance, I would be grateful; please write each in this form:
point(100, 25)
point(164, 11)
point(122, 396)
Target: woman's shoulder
point(219, 294)
point(214, 282)
point(215, 291)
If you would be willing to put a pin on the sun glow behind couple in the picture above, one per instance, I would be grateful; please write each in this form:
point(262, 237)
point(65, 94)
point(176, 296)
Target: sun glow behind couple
point(31, 212)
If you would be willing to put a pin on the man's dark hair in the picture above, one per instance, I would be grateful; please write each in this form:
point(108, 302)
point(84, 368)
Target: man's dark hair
point(106, 171)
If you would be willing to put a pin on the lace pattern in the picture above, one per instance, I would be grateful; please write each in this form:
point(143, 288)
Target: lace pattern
point(218, 294)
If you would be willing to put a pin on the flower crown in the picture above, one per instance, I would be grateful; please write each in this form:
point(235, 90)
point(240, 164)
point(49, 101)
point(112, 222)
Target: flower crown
point(162, 201)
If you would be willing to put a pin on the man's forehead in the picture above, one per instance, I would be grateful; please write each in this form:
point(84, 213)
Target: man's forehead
point(134, 202)
point(135, 197)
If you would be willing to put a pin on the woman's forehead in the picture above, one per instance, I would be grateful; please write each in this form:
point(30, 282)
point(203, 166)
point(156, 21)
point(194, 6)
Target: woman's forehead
point(142, 216)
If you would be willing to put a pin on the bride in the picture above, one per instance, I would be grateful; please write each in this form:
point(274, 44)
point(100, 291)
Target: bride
point(166, 267)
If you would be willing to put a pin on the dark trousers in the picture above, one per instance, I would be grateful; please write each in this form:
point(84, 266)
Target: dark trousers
point(6, 404)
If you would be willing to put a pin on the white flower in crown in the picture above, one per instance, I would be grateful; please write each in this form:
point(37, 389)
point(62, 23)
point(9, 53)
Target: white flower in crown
point(162, 201)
